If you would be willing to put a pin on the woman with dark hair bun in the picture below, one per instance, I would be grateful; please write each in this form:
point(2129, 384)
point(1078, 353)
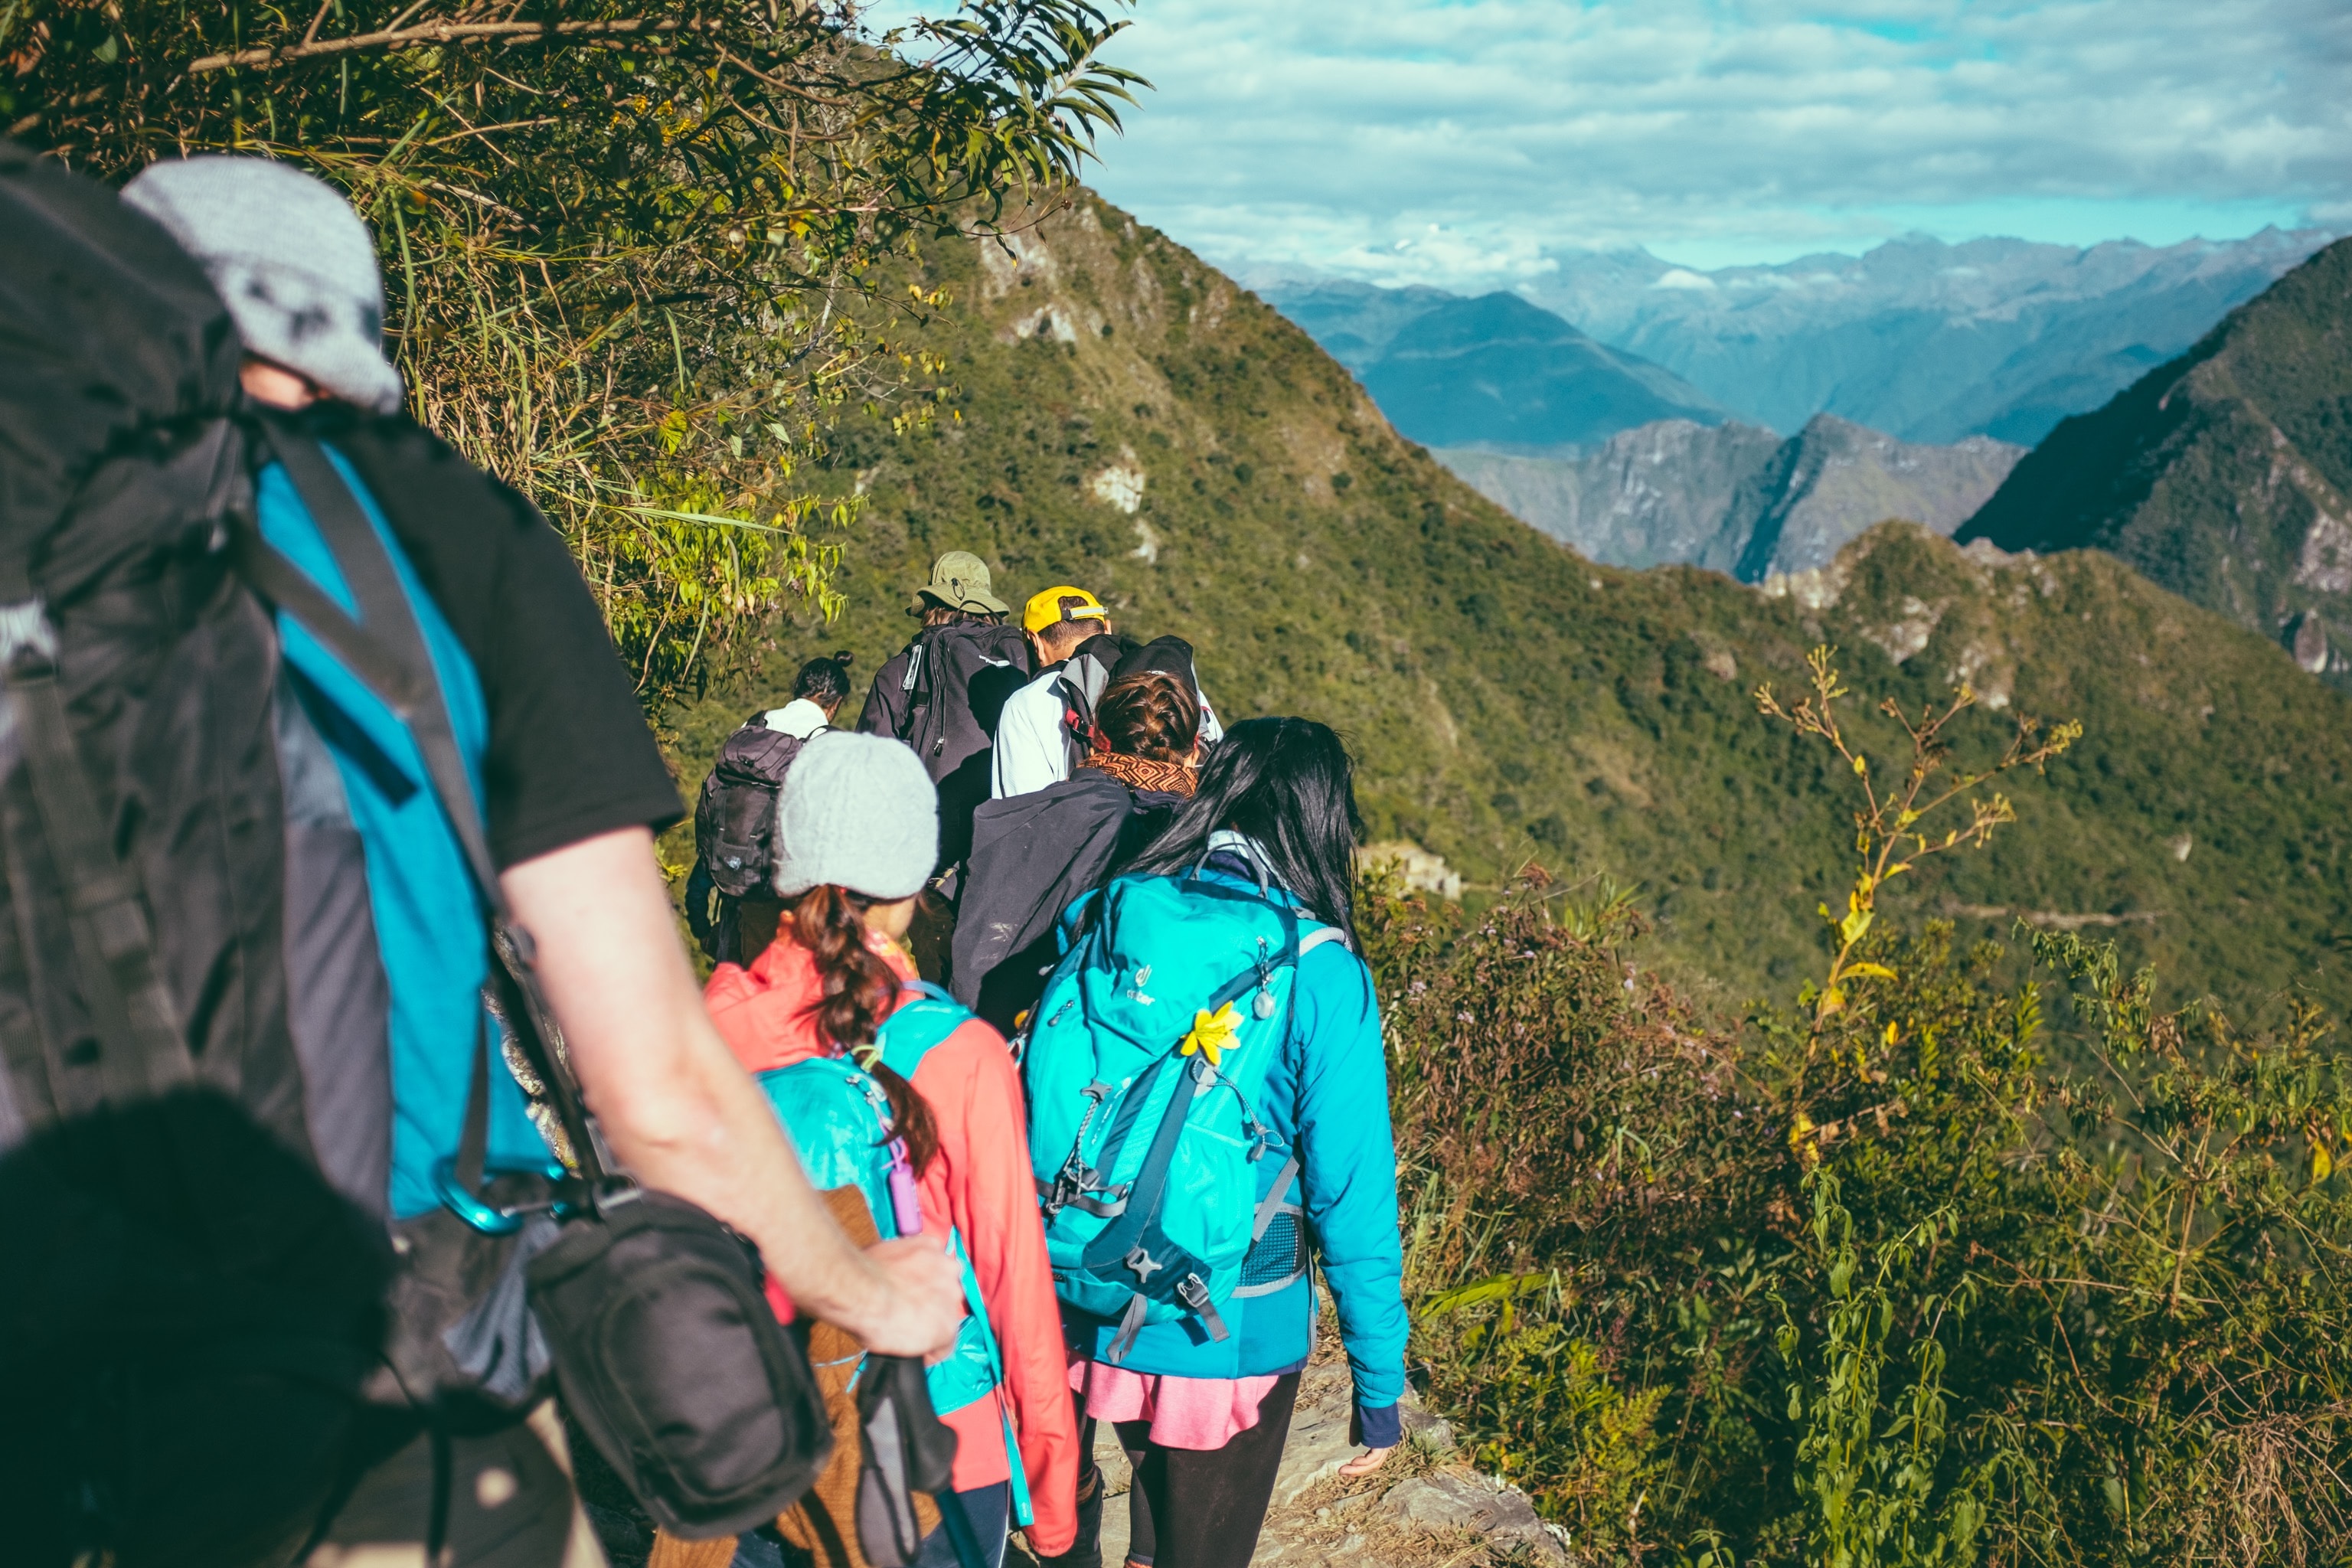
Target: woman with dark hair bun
point(857, 829)
point(823, 683)
point(1200, 1378)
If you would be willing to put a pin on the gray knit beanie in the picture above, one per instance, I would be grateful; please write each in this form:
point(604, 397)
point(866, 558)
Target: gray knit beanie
point(292, 261)
point(858, 812)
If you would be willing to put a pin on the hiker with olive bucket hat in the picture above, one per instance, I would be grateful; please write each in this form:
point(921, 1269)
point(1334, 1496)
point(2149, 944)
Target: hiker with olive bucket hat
point(926, 695)
point(943, 692)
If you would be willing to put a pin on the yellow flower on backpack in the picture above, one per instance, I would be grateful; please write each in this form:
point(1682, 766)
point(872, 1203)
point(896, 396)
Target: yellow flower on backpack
point(1213, 1033)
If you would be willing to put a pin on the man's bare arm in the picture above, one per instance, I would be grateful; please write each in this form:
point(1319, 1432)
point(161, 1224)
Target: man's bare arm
point(678, 1111)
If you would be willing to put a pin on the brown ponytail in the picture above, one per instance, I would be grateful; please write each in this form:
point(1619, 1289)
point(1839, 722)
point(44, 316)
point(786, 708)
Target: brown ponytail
point(859, 990)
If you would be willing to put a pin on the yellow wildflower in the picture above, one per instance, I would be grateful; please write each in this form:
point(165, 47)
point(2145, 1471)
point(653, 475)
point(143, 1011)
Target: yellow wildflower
point(1211, 1033)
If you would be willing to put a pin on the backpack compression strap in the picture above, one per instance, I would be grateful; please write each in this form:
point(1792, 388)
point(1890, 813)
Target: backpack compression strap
point(385, 649)
point(140, 1051)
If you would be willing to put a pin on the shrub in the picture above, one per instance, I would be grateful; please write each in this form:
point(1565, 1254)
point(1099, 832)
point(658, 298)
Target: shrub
point(1913, 1272)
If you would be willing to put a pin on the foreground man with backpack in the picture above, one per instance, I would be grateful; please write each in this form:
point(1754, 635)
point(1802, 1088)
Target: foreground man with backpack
point(1209, 1114)
point(300, 702)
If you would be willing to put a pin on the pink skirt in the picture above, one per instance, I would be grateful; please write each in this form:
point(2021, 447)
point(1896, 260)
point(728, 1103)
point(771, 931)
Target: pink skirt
point(1184, 1412)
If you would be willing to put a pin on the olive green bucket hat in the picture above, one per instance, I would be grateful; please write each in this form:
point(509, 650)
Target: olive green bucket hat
point(959, 581)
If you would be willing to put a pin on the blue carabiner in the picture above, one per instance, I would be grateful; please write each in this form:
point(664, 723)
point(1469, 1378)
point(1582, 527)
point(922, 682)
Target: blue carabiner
point(478, 1211)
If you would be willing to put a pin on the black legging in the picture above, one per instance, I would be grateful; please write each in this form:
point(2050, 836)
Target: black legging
point(1194, 1508)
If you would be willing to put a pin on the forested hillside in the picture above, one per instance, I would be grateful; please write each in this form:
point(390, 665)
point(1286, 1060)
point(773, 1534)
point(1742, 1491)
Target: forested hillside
point(1129, 419)
point(2225, 474)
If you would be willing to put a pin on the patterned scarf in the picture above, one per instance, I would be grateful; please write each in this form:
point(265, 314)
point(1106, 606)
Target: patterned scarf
point(1143, 773)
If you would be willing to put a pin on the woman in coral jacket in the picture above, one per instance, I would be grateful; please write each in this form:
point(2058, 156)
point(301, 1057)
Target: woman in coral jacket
point(857, 827)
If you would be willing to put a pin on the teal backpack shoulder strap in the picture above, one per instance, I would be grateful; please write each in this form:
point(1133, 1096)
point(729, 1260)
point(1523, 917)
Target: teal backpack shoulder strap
point(1022, 1513)
point(925, 1016)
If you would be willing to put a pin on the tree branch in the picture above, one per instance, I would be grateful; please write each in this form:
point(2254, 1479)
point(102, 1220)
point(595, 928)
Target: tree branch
point(443, 33)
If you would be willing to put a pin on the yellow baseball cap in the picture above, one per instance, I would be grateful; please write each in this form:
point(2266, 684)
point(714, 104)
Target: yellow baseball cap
point(1055, 606)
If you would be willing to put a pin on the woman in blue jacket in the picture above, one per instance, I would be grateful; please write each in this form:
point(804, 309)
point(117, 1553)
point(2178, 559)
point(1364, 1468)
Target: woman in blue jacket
point(1203, 1420)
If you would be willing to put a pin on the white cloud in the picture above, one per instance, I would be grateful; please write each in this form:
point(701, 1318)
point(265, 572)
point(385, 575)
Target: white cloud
point(1421, 140)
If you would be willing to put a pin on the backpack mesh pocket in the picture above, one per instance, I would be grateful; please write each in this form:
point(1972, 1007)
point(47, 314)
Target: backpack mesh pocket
point(1279, 1255)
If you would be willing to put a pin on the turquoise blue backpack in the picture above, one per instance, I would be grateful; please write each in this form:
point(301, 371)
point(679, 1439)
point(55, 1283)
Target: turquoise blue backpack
point(838, 1119)
point(1146, 1060)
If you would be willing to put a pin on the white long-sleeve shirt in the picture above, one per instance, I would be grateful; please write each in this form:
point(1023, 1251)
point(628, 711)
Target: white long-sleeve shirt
point(1032, 750)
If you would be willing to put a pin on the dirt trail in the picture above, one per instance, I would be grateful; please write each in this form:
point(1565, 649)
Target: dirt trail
point(1424, 1508)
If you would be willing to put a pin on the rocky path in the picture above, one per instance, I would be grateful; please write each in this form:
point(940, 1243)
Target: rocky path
point(1424, 1508)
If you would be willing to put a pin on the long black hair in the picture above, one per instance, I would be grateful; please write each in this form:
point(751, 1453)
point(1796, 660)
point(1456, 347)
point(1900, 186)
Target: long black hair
point(1289, 786)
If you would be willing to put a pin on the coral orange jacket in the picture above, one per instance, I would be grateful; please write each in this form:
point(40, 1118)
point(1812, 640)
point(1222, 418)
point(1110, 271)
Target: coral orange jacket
point(980, 1182)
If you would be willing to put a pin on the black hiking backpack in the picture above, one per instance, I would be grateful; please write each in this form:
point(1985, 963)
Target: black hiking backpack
point(735, 816)
point(172, 1260)
point(957, 682)
point(203, 1288)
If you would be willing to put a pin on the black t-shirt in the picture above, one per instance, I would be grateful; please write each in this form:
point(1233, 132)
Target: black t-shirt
point(571, 755)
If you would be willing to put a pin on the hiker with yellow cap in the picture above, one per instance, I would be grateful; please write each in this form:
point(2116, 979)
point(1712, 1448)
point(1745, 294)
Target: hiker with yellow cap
point(1035, 737)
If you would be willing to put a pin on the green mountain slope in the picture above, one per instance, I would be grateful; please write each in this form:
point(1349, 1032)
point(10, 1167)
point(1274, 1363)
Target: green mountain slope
point(2225, 474)
point(1131, 421)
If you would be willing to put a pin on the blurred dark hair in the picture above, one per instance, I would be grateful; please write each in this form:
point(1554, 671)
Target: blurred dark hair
point(824, 681)
point(859, 990)
point(1151, 715)
point(934, 614)
point(1289, 786)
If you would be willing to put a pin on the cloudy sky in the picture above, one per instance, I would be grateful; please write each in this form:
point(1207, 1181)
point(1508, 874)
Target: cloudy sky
point(1452, 142)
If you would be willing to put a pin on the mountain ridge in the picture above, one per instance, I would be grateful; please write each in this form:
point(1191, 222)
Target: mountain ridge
point(1928, 341)
point(1497, 370)
point(1735, 498)
point(2224, 474)
point(1173, 443)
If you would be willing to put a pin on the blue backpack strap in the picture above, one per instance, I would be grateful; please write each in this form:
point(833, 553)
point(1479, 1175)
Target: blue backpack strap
point(925, 1016)
point(1022, 1513)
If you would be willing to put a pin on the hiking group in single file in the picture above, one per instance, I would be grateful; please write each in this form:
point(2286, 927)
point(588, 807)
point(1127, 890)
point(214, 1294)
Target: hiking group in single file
point(375, 1176)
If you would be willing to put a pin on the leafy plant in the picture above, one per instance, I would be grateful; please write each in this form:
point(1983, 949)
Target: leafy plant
point(2070, 1288)
point(633, 250)
point(1871, 1494)
point(1888, 841)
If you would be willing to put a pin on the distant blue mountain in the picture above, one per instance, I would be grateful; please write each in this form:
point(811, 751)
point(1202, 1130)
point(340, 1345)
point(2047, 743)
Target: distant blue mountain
point(1498, 373)
point(1927, 341)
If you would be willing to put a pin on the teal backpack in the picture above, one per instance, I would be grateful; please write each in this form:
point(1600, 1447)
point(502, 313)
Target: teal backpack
point(1146, 1055)
point(838, 1119)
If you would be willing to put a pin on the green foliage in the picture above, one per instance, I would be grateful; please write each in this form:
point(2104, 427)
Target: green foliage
point(1870, 1494)
point(2072, 1289)
point(632, 249)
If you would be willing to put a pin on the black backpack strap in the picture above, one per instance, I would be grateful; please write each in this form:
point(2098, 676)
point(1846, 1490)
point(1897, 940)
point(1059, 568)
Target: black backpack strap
point(140, 1049)
point(385, 649)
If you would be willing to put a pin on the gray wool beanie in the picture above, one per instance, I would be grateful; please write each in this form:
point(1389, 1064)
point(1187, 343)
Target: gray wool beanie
point(858, 812)
point(291, 261)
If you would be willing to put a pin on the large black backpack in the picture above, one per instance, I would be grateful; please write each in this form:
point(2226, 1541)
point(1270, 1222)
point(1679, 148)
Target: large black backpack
point(171, 1259)
point(735, 816)
point(958, 681)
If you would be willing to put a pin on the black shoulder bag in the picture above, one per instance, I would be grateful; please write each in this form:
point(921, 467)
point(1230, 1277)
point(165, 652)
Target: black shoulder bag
point(664, 1347)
